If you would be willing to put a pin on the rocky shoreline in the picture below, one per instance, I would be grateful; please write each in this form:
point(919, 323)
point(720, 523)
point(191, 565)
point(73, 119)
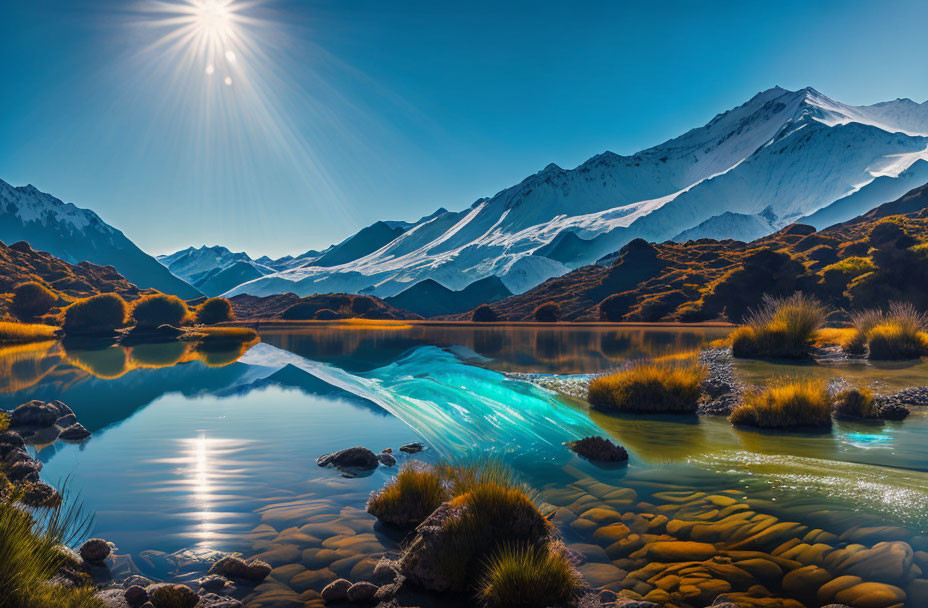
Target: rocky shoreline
point(213, 581)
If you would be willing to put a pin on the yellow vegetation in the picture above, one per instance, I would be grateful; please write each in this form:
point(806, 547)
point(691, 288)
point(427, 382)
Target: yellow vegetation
point(895, 334)
point(159, 309)
point(841, 336)
point(649, 388)
point(23, 333)
point(409, 497)
point(100, 314)
point(782, 327)
point(856, 403)
point(786, 403)
point(528, 577)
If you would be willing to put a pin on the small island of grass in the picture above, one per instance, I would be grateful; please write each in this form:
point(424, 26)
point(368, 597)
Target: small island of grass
point(649, 388)
point(785, 404)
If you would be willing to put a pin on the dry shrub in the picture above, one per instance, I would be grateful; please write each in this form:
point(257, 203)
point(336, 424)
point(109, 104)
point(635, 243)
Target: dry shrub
point(32, 299)
point(22, 333)
point(100, 314)
point(525, 576)
point(409, 497)
point(856, 403)
point(780, 328)
point(484, 314)
point(215, 310)
point(786, 403)
point(159, 309)
point(898, 333)
point(549, 312)
point(649, 388)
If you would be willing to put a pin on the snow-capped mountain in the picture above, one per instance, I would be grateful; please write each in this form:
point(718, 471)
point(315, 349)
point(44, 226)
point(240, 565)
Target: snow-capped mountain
point(194, 263)
point(74, 235)
point(779, 157)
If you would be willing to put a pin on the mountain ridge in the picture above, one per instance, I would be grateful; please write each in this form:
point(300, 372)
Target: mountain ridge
point(794, 152)
point(74, 235)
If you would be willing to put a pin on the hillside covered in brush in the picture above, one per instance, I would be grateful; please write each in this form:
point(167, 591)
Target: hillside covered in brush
point(323, 307)
point(865, 262)
point(20, 263)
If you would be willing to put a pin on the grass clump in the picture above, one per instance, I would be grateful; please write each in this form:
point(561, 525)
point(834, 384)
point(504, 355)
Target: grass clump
point(159, 309)
point(485, 510)
point(650, 388)
point(214, 310)
point(785, 404)
point(490, 513)
point(856, 403)
point(484, 314)
point(898, 333)
point(409, 497)
point(549, 312)
point(32, 299)
point(31, 555)
point(524, 576)
point(780, 328)
point(100, 314)
point(23, 333)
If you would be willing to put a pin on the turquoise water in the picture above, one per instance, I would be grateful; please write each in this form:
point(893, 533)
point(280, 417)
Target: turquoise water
point(189, 453)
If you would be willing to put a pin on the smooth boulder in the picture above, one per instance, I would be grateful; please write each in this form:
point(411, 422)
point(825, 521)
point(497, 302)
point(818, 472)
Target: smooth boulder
point(351, 458)
point(75, 432)
point(238, 569)
point(95, 551)
point(34, 414)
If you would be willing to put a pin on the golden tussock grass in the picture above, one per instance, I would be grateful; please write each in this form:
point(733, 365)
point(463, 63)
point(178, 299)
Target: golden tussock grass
point(24, 333)
point(780, 328)
point(786, 403)
point(526, 576)
point(650, 388)
point(410, 497)
point(840, 336)
point(898, 333)
point(856, 403)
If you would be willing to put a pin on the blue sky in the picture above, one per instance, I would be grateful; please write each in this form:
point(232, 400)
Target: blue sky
point(342, 113)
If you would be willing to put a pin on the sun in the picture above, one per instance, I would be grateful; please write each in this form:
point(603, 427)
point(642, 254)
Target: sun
point(213, 18)
point(209, 35)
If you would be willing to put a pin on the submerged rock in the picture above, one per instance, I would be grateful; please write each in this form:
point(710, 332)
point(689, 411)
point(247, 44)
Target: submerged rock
point(173, 596)
point(240, 570)
point(75, 432)
point(136, 596)
point(412, 448)
point(213, 583)
point(362, 592)
point(95, 550)
point(336, 591)
point(598, 449)
point(387, 459)
point(351, 458)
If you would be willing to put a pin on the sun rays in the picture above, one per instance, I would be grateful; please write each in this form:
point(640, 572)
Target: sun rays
point(236, 83)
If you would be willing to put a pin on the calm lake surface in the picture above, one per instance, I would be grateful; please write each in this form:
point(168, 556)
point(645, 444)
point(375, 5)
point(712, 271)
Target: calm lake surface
point(195, 452)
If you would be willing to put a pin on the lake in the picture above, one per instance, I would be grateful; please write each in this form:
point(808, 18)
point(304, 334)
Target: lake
point(195, 452)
